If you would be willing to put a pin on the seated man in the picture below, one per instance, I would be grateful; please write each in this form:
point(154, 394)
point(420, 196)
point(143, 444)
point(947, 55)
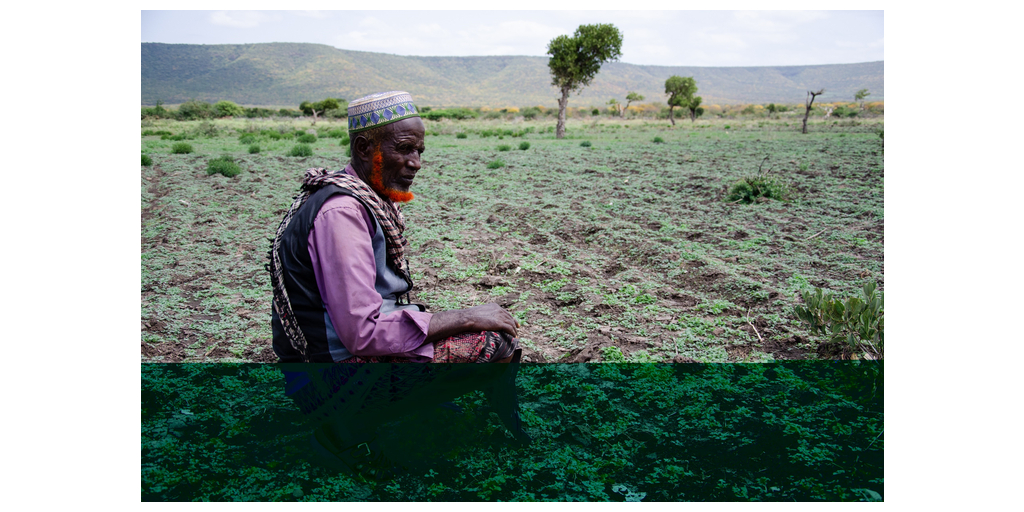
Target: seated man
point(338, 261)
point(339, 274)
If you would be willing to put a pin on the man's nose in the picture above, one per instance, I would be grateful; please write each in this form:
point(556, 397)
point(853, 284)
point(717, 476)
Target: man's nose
point(413, 162)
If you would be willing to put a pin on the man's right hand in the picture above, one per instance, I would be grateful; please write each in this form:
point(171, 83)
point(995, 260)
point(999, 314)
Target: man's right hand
point(488, 317)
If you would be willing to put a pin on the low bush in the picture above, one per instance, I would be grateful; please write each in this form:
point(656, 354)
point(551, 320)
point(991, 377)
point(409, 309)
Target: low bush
point(658, 140)
point(761, 185)
point(225, 108)
point(524, 145)
point(146, 160)
point(223, 165)
point(247, 139)
point(857, 322)
point(253, 149)
point(449, 113)
point(181, 148)
point(497, 164)
point(460, 135)
point(147, 133)
point(301, 150)
point(337, 133)
point(306, 138)
point(585, 144)
point(345, 141)
point(504, 147)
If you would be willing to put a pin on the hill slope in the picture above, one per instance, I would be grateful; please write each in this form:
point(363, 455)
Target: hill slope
point(289, 73)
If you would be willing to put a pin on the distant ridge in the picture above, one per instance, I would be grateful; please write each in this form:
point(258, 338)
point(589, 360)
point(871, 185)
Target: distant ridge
point(289, 73)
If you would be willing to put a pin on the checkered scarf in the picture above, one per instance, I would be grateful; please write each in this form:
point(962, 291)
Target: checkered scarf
point(388, 215)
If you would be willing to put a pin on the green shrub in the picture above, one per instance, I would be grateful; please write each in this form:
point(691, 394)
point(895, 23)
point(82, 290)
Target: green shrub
point(595, 112)
point(504, 147)
point(146, 160)
point(247, 139)
point(226, 108)
point(147, 133)
point(181, 148)
point(497, 164)
point(486, 133)
point(585, 144)
point(253, 149)
point(449, 113)
point(307, 138)
point(749, 189)
point(224, 165)
point(345, 141)
point(658, 140)
point(524, 145)
point(301, 150)
point(337, 133)
point(193, 109)
point(203, 129)
point(460, 135)
point(804, 167)
point(857, 322)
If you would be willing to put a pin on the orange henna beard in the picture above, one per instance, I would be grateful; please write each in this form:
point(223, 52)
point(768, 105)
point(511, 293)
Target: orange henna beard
point(377, 180)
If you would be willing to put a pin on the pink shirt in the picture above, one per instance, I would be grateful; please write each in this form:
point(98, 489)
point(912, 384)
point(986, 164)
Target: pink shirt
point(341, 249)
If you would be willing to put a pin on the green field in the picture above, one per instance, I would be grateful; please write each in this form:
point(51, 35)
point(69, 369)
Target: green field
point(625, 250)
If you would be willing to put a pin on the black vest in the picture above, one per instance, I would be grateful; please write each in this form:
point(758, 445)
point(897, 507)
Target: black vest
point(300, 282)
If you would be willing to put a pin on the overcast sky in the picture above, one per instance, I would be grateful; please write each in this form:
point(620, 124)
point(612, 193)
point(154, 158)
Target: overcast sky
point(667, 38)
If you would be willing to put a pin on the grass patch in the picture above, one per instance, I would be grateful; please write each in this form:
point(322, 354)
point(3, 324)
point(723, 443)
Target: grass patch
point(306, 138)
point(461, 135)
point(248, 138)
point(146, 160)
point(181, 148)
point(658, 140)
point(524, 145)
point(585, 144)
point(301, 150)
point(504, 147)
point(253, 149)
point(224, 165)
point(497, 164)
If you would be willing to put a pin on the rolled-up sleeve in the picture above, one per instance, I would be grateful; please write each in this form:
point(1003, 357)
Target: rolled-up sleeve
point(341, 249)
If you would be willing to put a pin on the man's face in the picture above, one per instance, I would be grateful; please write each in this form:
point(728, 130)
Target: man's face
point(395, 165)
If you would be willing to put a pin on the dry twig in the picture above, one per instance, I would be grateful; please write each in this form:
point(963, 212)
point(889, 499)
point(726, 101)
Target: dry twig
point(759, 338)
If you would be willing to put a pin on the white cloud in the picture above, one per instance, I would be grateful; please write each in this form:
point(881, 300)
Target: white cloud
point(238, 19)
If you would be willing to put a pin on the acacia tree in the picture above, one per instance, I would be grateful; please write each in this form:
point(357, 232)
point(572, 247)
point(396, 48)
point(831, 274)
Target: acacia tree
point(575, 61)
point(680, 92)
point(318, 108)
point(807, 103)
point(695, 109)
point(860, 95)
point(630, 98)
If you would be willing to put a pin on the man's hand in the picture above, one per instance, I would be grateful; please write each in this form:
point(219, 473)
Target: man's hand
point(489, 317)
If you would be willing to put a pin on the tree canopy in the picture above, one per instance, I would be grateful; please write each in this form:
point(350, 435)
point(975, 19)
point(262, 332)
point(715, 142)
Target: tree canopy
point(575, 61)
point(680, 92)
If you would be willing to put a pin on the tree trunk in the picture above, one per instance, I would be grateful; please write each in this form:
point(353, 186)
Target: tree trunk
point(671, 114)
point(563, 102)
point(808, 104)
point(693, 116)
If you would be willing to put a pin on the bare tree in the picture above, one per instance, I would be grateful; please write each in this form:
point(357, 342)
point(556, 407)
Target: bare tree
point(808, 102)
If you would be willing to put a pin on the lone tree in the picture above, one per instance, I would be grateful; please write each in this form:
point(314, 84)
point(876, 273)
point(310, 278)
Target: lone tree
point(576, 60)
point(808, 102)
point(695, 109)
point(860, 95)
point(680, 94)
point(318, 108)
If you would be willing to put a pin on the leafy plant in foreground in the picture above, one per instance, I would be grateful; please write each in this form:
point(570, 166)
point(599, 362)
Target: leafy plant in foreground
point(146, 160)
point(301, 150)
point(858, 322)
point(749, 189)
point(181, 148)
point(223, 165)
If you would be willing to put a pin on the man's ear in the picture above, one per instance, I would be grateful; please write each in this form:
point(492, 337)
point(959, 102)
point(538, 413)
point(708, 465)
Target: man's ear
point(362, 149)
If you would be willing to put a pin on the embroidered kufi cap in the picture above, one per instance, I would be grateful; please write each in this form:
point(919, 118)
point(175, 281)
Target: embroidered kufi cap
point(380, 109)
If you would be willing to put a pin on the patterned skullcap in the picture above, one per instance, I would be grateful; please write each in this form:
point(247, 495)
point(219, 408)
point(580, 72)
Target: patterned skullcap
point(380, 109)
